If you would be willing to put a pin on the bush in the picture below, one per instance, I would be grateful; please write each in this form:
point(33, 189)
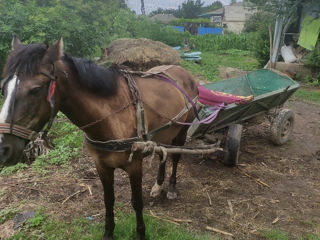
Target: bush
point(256, 20)
point(258, 25)
point(144, 28)
point(221, 42)
point(313, 59)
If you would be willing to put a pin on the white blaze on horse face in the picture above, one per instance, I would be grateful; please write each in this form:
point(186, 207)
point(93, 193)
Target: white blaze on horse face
point(6, 105)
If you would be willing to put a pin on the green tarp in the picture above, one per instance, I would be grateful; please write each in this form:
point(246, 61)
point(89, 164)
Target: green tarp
point(309, 32)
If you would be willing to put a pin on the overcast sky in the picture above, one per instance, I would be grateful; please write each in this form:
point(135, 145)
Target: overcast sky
point(151, 5)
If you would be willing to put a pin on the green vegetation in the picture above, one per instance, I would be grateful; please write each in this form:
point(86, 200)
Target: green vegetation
point(256, 20)
point(221, 42)
point(228, 58)
point(185, 22)
point(189, 9)
point(7, 213)
point(276, 234)
point(51, 228)
point(313, 81)
point(258, 25)
point(313, 60)
point(308, 95)
point(13, 169)
point(67, 139)
point(86, 26)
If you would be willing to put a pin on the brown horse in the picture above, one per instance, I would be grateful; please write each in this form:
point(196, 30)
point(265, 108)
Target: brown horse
point(99, 101)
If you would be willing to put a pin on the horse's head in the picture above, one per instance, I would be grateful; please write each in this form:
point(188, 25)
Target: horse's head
point(29, 79)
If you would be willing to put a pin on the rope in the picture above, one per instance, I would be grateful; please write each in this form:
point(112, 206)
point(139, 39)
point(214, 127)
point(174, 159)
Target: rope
point(107, 116)
point(164, 154)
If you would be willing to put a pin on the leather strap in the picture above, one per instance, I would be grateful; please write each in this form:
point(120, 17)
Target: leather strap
point(18, 131)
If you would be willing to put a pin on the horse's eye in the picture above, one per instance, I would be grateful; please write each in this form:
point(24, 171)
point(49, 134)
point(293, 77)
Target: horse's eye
point(35, 91)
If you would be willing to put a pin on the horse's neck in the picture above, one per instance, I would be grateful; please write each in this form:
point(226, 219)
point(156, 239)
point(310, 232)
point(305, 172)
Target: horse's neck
point(101, 117)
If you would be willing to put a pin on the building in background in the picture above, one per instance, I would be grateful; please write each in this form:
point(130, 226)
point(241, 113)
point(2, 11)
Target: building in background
point(215, 16)
point(232, 18)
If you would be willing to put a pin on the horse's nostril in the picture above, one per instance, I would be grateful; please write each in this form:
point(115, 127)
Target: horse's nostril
point(5, 152)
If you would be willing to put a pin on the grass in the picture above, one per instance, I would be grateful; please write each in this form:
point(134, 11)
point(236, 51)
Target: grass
point(50, 228)
point(7, 213)
point(308, 95)
point(276, 234)
point(227, 58)
point(6, 171)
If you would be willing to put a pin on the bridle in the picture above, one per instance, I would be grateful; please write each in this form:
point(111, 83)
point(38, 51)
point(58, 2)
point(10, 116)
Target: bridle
point(25, 133)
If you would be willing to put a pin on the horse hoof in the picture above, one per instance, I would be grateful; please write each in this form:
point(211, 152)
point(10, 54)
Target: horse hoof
point(156, 190)
point(172, 195)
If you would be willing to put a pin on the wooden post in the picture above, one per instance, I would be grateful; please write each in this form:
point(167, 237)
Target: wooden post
point(142, 146)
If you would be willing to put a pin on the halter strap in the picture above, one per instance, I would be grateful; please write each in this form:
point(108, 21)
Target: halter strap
point(18, 131)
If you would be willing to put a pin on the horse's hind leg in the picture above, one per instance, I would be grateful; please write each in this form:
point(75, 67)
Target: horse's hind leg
point(157, 187)
point(135, 175)
point(178, 141)
point(107, 178)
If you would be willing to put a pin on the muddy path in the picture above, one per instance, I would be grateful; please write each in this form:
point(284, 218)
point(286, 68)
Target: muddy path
point(273, 188)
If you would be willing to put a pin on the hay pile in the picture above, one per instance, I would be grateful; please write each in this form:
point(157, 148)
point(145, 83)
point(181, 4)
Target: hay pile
point(140, 54)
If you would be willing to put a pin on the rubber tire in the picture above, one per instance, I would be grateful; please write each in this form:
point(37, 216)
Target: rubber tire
point(282, 127)
point(232, 145)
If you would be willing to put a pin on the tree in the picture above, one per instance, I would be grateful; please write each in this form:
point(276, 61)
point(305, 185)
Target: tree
point(164, 11)
point(84, 25)
point(214, 6)
point(257, 20)
point(190, 9)
point(283, 8)
point(233, 1)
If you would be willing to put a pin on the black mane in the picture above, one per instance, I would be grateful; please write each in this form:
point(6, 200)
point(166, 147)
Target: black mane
point(26, 60)
point(102, 81)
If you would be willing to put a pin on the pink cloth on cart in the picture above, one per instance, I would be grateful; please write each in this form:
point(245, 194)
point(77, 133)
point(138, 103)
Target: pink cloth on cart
point(214, 98)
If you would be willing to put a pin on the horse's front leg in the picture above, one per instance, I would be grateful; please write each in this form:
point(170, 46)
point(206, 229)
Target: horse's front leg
point(107, 178)
point(135, 175)
point(157, 187)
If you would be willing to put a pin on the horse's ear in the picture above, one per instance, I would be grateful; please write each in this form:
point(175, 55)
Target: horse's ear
point(55, 52)
point(16, 43)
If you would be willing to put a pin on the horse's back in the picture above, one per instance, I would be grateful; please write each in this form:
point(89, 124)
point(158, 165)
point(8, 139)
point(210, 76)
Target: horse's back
point(179, 75)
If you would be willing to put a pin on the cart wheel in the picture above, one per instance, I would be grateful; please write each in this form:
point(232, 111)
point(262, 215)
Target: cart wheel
point(232, 145)
point(282, 127)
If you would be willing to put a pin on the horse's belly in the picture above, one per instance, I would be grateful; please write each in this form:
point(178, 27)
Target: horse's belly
point(109, 159)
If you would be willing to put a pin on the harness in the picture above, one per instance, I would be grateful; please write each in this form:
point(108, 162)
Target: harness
point(119, 145)
point(122, 145)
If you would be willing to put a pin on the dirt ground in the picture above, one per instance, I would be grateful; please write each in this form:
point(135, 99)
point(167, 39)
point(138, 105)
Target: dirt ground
point(240, 202)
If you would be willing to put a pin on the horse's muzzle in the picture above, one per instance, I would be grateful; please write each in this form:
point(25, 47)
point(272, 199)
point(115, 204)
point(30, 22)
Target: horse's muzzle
point(5, 153)
point(11, 149)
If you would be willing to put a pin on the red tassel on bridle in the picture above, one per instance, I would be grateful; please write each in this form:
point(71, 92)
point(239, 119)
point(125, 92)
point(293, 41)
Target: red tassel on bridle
point(51, 91)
